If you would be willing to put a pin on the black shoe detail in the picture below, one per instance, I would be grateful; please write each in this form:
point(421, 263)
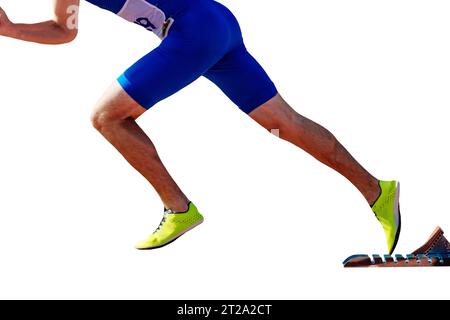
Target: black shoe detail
point(397, 235)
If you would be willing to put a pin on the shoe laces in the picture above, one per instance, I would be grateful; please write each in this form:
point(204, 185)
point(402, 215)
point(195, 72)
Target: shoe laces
point(164, 219)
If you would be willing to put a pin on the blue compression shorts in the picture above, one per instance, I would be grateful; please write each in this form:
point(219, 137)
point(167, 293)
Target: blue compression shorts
point(204, 40)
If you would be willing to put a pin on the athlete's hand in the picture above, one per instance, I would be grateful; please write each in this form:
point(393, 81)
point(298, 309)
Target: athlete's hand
point(6, 26)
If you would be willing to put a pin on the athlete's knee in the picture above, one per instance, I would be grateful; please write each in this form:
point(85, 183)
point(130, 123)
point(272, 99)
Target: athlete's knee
point(275, 114)
point(98, 120)
point(106, 116)
point(115, 107)
point(102, 118)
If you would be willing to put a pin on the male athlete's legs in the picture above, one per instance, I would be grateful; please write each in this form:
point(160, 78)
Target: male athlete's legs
point(317, 141)
point(114, 117)
point(246, 83)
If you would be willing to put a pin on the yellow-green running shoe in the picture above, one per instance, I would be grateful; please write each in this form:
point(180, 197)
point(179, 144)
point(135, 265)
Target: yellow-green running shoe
point(172, 226)
point(387, 211)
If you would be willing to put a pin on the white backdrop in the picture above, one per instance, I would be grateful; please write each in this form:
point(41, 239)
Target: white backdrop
point(278, 224)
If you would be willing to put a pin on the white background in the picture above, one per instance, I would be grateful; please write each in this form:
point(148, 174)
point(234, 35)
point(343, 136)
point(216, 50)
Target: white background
point(278, 224)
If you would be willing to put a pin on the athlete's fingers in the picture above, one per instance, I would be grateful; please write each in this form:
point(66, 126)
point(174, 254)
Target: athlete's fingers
point(3, 17)
point(4, 22)
point(2, 14)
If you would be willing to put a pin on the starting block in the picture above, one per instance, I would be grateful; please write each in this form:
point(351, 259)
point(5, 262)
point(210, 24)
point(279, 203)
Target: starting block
point(434, 253)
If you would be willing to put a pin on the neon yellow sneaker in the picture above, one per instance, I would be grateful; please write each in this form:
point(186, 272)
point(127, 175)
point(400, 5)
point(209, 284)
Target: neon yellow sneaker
point(387, 211)
point(172, 226)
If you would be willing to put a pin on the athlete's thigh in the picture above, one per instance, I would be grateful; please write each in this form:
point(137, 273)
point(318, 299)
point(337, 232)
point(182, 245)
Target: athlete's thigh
point(242, 79)
point(156, 76)
point(165, 70)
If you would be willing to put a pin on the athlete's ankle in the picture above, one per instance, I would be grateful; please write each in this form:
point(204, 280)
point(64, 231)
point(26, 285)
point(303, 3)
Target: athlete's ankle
point(178, 207)
point(373, 193)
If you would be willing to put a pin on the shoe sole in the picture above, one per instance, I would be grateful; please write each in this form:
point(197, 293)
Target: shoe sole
point(397, 217)
point(174, 238)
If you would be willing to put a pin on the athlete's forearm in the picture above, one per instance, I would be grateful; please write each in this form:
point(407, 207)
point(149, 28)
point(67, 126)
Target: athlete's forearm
point(47, 32)
point(61, 29)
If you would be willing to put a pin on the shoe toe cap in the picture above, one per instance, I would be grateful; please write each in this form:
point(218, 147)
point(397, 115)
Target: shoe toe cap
point(147, 244)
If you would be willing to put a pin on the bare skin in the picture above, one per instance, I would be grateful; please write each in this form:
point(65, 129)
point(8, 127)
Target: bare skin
point(317, 141)
point(115, 117)
point(116, 113)
point(61, 29)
